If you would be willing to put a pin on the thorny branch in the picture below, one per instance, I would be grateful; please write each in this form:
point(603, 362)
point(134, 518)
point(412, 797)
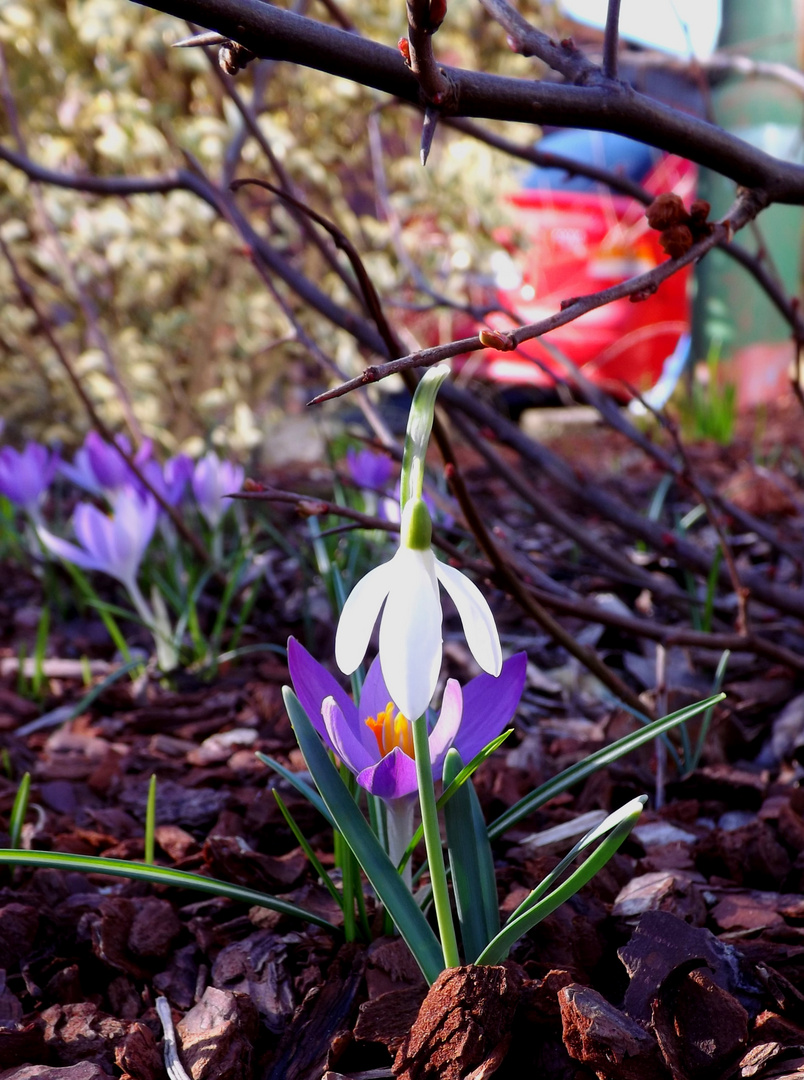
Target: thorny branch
point(591, 101)
point(747, 206)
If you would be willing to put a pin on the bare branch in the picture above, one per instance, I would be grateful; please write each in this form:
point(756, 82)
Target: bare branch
point(726, 63)
point(524, 38)
point(641, 286)
point(435, 86)
point(605, 105)
point(547, 160)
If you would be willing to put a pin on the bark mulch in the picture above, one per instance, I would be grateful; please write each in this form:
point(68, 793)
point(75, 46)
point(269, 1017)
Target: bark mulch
point(682, 959)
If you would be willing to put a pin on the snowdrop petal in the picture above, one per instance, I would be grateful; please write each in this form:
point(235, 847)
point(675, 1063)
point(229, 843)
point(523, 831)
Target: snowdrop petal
point(343, 739)
point(410, 632)
point(478, 622)
point(392, 777)
point(359, 616)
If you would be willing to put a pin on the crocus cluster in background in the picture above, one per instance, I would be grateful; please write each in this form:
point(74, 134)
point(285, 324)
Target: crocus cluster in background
point(115, 521)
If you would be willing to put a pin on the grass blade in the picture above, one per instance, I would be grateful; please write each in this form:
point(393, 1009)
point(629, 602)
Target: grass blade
point(150, 821)
point(159, 875)
point(63, 715)
point(471, 864)
point(617, 826)
point(19, 810)
point(591, 764)
point(304, 844)
point(300, 785)
point(720, 674)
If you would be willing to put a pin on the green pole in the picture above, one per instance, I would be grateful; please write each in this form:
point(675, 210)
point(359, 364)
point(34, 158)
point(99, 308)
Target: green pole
point(733, 317)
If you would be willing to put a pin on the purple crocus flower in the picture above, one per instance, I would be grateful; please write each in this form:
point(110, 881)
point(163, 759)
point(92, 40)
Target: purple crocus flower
point(26, 474)
point(171, 479)
point(212, 481)
point(113, 544)
point(109, 467)
point(80, 472)
point(375, 741)
point(369, 469)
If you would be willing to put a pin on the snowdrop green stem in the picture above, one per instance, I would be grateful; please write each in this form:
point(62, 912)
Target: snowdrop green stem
point(417, 436)
point(432, 842)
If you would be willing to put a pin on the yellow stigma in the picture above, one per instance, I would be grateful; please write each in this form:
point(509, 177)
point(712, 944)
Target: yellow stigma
point(391, 731)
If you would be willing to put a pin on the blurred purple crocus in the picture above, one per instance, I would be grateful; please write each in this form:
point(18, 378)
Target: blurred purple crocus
point(212, 481)
point(368, 469)
point(26, 474)
point(112, 543)
point(171, 479)
point(109, 467)
point(375, 741)
point(80, 472)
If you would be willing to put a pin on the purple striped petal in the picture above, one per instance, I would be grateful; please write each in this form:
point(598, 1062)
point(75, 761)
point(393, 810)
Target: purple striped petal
point(313, 683)
point(447, 726)
point(489, 704)
point(344, 740)
point(392, 777)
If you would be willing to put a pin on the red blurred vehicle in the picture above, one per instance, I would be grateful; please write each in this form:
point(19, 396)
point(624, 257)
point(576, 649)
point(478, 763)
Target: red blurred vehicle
point(583, 238)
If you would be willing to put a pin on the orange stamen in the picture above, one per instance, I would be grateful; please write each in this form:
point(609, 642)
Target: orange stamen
point(391, 730)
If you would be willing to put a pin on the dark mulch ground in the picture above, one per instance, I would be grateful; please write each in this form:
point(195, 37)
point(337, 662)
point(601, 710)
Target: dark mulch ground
point(684, 958)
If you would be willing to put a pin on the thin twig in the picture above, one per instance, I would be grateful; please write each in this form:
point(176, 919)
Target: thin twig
point(285, 182)
point(435, 85)
point(611, 43)
point(524, 38)
point(173, 1065)
point(643, 285)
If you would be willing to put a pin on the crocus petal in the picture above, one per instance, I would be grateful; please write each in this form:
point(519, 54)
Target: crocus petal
point(447, 726)
point(359, 616)
point(374, 698)
point(488, 705)
point(93, 529)
point(108, 465)
point(410, 632)
point(313, 683)
point(26, 474)
point(392, 777)
point(478, 622)
point(80, 472)
point(67, 551)
point(134, 523)
point(344, 740)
